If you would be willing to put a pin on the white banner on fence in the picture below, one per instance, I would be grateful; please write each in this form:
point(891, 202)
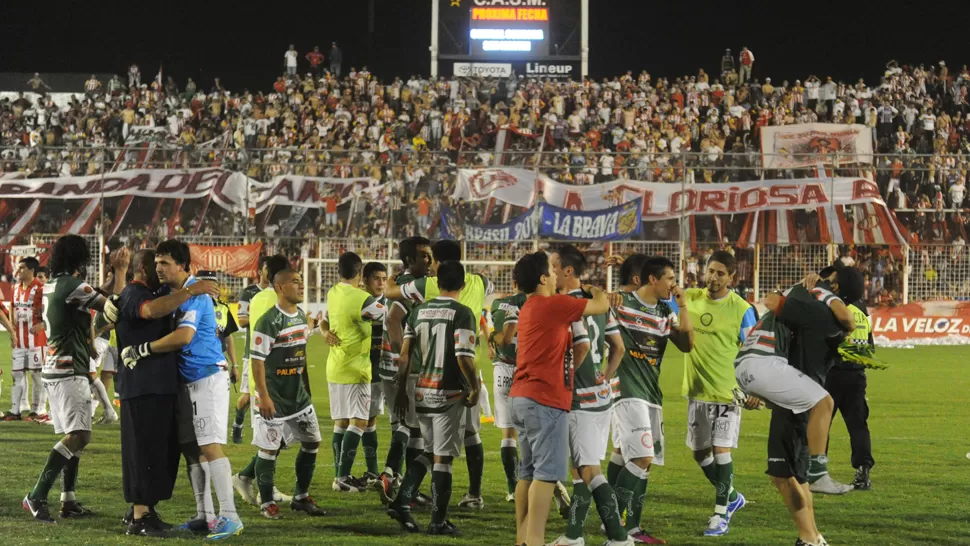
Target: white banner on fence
point(520, 187)
point(807, 144)
point(309, 191)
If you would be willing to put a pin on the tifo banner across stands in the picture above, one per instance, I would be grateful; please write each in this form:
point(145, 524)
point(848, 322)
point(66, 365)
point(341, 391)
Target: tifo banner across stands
point(926, 323)
point(806, 144)
point(600, 225)
point(238, 261)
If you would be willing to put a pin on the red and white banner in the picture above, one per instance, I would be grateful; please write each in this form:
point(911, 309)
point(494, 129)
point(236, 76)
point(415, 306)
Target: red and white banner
point(926, 323)
point(787, 146)
point(238, 261)
point(309, 191)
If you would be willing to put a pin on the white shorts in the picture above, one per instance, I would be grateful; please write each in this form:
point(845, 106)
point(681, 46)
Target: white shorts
point(376, 400)
point(70, 404)
point(638, 430)
point(501, 385)
point(444, 432)
point(108, 361)
point(389, 392)
point(473, 417)
point(773, 379)
point(271, 435)
point(589, 436)
point(27, 359)
point(203, 412)
point(244, 380)
point(349, 401)
point(712, 425)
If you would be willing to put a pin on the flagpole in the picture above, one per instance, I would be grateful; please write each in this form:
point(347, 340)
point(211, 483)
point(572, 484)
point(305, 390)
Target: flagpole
point(536, 212)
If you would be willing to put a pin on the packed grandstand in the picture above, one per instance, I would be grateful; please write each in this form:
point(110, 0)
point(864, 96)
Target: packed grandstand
point(386, 155)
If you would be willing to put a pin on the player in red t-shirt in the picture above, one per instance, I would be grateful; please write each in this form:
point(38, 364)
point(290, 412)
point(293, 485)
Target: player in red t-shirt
point(542, 389)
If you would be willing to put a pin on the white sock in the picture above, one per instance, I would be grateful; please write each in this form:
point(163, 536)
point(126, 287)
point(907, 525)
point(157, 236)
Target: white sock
point(97, 387)
point(37, 397)
point(197, 477)
point(210, 509)
point(17, 394)
point(222, 481)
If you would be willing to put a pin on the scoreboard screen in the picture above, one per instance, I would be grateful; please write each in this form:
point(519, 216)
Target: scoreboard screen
point(522, 31)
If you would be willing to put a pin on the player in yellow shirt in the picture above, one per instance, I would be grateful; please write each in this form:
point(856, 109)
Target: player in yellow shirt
point(721, 320)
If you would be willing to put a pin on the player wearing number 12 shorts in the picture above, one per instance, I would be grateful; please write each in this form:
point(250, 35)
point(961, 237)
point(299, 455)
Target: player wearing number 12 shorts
point(721, 320)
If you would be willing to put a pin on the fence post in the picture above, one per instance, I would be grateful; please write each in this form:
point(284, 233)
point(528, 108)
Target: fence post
point(833, 253)
point(756, 272)
point(683, 261)
point(609, 269)
point(906, 270)
point(101, 253)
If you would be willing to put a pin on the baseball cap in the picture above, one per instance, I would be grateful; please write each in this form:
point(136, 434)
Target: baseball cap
point(206, 275)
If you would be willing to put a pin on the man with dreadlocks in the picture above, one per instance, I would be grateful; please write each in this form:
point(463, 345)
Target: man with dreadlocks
point(68, 302)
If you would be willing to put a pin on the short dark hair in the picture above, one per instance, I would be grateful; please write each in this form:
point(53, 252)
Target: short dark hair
point(374, 267)
point(30, 263)
point(284, 271)
point(631, 267)
point(275, 264)
point(528, 271)
point(178, 251)
point(69, 254)
point(451, 276)
point(654, 267)
point(570, 256)
point(446, 250)
point(349, 264)
point(408, 249)
point(726, 259)
point(44, 271)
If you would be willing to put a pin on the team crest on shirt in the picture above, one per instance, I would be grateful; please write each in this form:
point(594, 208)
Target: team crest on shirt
point(707, 319)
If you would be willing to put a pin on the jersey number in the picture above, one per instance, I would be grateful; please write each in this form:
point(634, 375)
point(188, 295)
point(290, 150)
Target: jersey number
point(594, 336)
point(47, 323)
point(439, 332)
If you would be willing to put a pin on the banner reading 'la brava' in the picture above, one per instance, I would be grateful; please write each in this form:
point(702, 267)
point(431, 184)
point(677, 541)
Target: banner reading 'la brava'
point(608, 224)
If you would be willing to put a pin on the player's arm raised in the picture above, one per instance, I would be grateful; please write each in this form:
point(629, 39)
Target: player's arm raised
point(599, 304)
point(682, 334)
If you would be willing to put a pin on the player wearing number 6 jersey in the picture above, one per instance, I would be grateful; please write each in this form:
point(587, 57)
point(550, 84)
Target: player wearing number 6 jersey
point(721, 320)
point(505, 321)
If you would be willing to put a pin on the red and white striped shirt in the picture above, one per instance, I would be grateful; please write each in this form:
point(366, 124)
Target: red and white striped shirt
point(28, 309)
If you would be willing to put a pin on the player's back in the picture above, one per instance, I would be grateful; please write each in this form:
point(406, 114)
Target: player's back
point(387, 368)
point(505, 311)
point(477, 288)
point(770, 337)
point(27, 307)
point(68, 322)
point(719, 328)
point(440, 330)
point(645, 329)
point(344, 306)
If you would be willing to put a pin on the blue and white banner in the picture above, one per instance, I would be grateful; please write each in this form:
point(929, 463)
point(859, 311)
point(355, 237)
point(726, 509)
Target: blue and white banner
point(600, 225)
point(520, 228)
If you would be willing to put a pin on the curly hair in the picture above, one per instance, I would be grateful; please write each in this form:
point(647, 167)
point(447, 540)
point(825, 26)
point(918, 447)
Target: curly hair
point(70, 254)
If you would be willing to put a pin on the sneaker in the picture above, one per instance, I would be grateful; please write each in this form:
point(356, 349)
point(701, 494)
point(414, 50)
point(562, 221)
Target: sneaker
point(828, 486)
point(370, 478)
point(271, 511)
point(224, 528)
point(562, 500)
point(643, 537)
point(385, 486)
point(129, 516)
point(196, 525)
point(471, 503)
point(563, 540)
point(625, 542)
point(278, 497)
point(510, 497)
point(861, 481)
point(308, 506)
point(44, 419)
point(821, 541)
point(31, 416)
point(154, 519)
point(403, 517)
point(13, 417)
point(236, 434)
point(716, 526)
point(38, 509)
point(735, 506)
point(444, 529)
point(74, 509)
point(244, 486)
point(801, 542)
point(421, 501)
point(108, 418)
point(347, 484)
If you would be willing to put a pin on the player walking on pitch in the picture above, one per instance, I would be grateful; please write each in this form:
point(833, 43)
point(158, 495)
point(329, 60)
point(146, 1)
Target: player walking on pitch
point(245, 297)
point(721, 320)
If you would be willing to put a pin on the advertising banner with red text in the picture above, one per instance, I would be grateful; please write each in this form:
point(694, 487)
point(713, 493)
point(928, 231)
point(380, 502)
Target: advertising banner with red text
point(239, 260)
point(926, 323)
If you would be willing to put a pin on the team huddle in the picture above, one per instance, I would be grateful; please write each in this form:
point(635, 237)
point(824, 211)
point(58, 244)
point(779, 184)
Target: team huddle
point(576, 371)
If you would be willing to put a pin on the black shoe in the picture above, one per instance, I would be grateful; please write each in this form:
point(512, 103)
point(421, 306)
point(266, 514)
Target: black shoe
point(129, 516)
point(861, 481)
point(444, 529)
point(155, 520)
point(308, 506)
point(197, 526)
point(144, 528)
point(38, 509)
point(236, 434)
point(403, 517)
point(74, 509)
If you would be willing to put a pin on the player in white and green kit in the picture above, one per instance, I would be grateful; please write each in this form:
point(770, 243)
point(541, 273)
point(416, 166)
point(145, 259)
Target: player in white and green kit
point(285, 412)
point(505, 320)
point(375, 276)
point(721, 320)
point(646, 323)
point(245, 297)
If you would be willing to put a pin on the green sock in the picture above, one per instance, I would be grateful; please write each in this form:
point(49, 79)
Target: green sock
point(440, 493)
point(608, 509)
point(265, 472)
point(336, 443)
point(69, 478)
point(415, 474)
point(414, 448)
point(250, 470)
point(639, 499)
point(613, 469)
point(578, 508)
point(369, 440)
point(306, 463)
point(709, 470)
point(240, 416)
point(818, 467)
point(395, 452)
point(475, 459)
point(510, 463)
point(348, 451)
point(627, 483)
point(56, 461)
point(724, 469)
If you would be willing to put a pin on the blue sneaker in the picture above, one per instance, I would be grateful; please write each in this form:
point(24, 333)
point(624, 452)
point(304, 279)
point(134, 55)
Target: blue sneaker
point(735, 506)
point(225, 528)
point(716, 527)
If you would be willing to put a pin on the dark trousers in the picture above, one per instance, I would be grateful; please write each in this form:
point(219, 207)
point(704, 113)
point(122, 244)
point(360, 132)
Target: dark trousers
point(149, 448)
point(848, 389)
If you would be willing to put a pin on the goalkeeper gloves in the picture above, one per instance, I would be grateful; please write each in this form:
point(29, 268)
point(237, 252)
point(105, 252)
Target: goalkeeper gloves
point(132, 354)
point(111, 309)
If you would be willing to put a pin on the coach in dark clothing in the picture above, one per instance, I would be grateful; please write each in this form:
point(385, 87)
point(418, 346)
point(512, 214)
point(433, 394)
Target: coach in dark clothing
point(148, 393)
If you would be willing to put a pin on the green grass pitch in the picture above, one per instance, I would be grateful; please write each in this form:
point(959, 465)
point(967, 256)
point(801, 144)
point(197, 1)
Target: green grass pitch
point(919, 415)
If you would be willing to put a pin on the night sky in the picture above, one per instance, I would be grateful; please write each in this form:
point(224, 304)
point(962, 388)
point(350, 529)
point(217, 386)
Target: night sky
point(245, 46)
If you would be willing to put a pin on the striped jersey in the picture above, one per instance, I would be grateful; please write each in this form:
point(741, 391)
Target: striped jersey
point(505, 311)
point(645, 329)
point(67, 304)
point(387, 368)
point(279, 340)
point(439, 331)
point(28, 310)
point(477, 288)
point(590, 390)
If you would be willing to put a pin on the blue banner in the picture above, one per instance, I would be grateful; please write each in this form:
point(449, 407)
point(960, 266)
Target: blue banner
point(592, 225)
point(520, 228)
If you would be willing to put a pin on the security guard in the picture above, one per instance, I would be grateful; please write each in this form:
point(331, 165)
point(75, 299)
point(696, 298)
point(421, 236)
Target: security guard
point(225, 322)
point(846, 382)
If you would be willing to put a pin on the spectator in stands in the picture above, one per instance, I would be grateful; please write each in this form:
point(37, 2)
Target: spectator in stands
point(315, 58)
point(336, 59)
point(746, 60)
point(289, 61)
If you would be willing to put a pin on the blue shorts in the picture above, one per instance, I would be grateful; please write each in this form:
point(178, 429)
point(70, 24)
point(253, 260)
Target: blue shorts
point(543, 440)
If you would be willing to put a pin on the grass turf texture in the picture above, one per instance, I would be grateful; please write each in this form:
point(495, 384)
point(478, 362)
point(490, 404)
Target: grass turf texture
point(918, 422)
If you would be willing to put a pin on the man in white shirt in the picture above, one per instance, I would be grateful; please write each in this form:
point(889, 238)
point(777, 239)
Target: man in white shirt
point(289, 60)
point(957, 193)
